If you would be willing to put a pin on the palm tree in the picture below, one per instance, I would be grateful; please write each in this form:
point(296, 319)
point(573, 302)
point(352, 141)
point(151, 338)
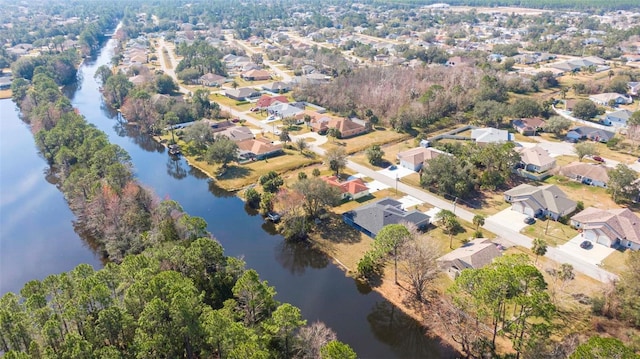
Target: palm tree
point(539, 248)
point(449, 223)
point(478, 220)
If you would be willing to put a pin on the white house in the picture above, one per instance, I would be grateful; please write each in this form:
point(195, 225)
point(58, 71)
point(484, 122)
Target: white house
point(491, 135)
point(544, 201)
point(603, 99)
point(617, 118)
point(614, 227)
point(536, 159)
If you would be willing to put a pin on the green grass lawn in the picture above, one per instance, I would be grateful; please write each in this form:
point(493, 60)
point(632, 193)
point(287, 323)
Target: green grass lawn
point(552, 232)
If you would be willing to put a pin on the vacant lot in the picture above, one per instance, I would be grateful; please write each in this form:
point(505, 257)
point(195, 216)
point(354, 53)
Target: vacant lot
point(591, 196)
point(362, 142)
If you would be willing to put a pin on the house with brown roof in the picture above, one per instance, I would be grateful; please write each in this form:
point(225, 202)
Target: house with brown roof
point(587, 173)
point(611, 228)
point(258, 149)
point(528, 126)
point(415, 158)
point(536, 159)
point(545, 201)
point(351, 189)
point(348, 128)
point(473, 255)
point(256, 75)
point(265, 101)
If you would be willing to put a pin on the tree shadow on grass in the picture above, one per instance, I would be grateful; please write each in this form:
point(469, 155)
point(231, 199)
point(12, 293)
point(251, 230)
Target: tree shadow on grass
point(232, 172)
point(335, 230)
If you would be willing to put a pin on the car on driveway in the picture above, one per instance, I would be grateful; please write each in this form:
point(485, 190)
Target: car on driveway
point(529, 220)
point(598, 159)
point(586, 244)
point(392, 168)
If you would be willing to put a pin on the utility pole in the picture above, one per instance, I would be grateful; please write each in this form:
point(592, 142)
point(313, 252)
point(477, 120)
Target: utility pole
point(397, 183)
point(455, 201)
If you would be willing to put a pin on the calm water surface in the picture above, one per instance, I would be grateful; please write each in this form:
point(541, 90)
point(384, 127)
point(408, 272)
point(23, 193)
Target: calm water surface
point(303, 277)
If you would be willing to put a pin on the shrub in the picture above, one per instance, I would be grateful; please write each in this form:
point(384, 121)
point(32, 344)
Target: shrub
point(252, 197)
point(315, 172)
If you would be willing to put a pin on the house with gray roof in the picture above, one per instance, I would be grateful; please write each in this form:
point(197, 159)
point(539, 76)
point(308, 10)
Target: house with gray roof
point(611, 228)
point(241, 93)
point(490, 135)
point(617, 118)
point(591, 133)
point(473, 255)
point(370, 218)
point(604, 99)
point(545, 201)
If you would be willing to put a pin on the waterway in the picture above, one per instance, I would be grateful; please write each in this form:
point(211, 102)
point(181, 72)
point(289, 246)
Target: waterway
point(362, 318)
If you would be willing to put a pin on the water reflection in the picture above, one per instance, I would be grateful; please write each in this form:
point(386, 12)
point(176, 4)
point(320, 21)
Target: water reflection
point(404, 334)
point(297, 256)
point(218, 191)
point(175, 167)
point(146, 142)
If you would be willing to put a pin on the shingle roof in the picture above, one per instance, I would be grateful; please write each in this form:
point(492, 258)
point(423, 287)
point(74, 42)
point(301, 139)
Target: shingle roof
point(418, 155)
point(547, 197)
point(535, 155)
point(475, 254)
point(592, 171)
point(374, 216)
point(617, 223)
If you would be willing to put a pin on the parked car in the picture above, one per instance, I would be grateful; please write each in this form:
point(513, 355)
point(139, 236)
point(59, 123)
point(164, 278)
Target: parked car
point(235, 120)
point(586, 245)
point(392, 168)
point(598, 159)
point(529, 220)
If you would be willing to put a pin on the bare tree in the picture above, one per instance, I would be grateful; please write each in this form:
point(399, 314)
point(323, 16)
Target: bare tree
point(312, 338)
point(419, 266)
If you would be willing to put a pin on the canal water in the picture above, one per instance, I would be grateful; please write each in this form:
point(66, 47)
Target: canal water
point(308, 279)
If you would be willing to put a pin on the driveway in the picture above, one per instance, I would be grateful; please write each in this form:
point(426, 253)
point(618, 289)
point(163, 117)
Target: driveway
point(375, 186)
point(399, 172)
point(594, 255)
point(510, 219)
point(409, 201)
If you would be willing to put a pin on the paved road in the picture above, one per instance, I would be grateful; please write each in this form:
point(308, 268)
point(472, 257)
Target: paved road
point(501, 231)
point(285, 76)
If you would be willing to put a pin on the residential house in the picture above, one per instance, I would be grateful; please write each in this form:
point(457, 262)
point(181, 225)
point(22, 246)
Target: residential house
point(591, 133)
point(634, 88)
point(603, 99)
point(241, 93)
point(415, 158)
point(528, 126)
point(536, 159)
point(617, 118)
point(545, 201)
point(351, 189)
point(256, 75)
point(611, 228)
point(348, 128)
point(258, 149)
point(587, 173)
point(5, 82)
point(237, 133)
point(138, 80)
point(219, 126)
point(458, 60)
point(473, 255)
point(284, 110)
point(371, 218)
point(211, 80)
point(490, 135)
point(265, 101)
point(276, 87)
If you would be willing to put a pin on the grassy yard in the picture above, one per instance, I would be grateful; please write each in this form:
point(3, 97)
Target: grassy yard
point(350, 205)
point(552, 232)
point(224, 100)
point(591, 196)
point(616, 262)
point(362, 142)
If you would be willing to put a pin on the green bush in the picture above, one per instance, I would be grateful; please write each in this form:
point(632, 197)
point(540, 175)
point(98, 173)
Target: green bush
point(252, 197)
point(240, 103)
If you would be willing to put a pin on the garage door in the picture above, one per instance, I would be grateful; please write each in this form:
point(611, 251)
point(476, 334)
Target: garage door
point(590, 235)
point(604, 241)
point(529, 211)
point(517, 207)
